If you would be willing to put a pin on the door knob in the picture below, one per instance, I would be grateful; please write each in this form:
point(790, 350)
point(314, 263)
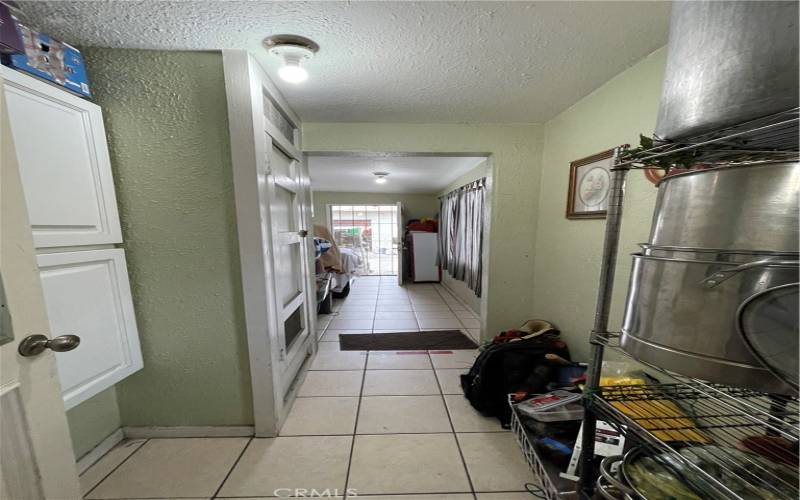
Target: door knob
point(303, 233)
point(33, 345)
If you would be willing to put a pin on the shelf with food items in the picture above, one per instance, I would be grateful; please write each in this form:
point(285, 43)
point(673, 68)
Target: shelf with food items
point(692, 439)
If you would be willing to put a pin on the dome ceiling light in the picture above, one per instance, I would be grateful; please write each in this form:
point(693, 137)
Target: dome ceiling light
point(293, 50)
point(380, 177)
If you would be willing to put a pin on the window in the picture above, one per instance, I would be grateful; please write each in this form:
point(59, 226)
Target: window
point(372, 232)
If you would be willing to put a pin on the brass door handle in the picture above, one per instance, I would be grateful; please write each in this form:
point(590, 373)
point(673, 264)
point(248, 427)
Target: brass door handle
point(33, 345)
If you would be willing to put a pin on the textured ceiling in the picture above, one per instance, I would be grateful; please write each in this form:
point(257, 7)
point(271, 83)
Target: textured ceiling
point(407, 174)
point(396, 61)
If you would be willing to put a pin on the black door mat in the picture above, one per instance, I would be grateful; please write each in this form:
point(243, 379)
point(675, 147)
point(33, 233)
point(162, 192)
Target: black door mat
point(406, 341)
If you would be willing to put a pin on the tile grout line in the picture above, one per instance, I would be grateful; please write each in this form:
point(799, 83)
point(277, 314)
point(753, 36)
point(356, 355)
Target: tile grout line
point(230, 471)
point(115, 468)
point(391, 433)
point(358, 411)
point(455, 436)
point(453, 312)
point(355, 429)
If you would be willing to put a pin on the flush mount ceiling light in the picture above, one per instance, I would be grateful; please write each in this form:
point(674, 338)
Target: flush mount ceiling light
point(380, 177)
point(293, 50)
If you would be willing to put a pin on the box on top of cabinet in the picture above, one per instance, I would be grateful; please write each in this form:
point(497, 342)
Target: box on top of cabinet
point(50, 59)
point(10, 41)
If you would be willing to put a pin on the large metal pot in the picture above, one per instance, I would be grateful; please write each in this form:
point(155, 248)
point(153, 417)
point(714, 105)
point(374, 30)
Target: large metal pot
point(714, 254)
point(727, 62)
point(681, 315)
point(742, 208)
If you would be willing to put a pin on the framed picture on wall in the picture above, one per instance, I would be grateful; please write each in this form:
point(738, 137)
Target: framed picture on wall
point(589, 186)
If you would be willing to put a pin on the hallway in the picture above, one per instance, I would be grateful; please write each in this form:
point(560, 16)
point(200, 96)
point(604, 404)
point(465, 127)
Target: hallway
point(378, 425)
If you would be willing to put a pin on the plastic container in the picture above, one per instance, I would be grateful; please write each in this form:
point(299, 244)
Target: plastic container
point(570, 411)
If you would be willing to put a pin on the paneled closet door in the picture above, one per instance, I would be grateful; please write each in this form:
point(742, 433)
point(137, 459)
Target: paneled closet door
point(63, 157)
point(291, 261)
point(87, 293)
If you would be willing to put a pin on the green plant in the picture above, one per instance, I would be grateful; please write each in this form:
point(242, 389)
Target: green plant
point(666, 162)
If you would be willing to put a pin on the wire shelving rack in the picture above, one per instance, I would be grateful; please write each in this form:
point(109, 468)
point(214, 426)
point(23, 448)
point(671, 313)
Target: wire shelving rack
point(718, 416)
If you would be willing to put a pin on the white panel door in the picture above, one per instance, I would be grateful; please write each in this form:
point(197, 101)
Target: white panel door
point(63, 157)
point(87, 293)
point(36, 459)
point(289, 233)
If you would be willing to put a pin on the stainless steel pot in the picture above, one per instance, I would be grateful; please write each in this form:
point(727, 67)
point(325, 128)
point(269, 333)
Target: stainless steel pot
point(744, 208)
point(714, 254)
point(727, 62)
point(681, 315)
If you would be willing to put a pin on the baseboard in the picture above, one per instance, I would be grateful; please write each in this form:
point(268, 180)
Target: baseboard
point(188, 431)
point(100, 450)
point(459, 299)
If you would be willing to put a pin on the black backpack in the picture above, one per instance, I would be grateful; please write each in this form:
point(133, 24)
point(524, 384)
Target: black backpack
point(505, 368)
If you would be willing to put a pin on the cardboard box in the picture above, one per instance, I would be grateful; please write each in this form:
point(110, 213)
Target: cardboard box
point(50, 59)
point(10, 41)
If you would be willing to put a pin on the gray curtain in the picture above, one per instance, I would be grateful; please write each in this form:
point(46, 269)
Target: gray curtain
point(461, 233)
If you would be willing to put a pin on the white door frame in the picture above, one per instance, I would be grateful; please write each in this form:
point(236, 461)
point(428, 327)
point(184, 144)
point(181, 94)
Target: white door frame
point(247, 87)
point(400, 244)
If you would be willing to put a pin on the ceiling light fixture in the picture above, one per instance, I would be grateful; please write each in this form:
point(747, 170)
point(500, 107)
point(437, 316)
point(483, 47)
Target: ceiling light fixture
point(293, 50)
point(380, 177)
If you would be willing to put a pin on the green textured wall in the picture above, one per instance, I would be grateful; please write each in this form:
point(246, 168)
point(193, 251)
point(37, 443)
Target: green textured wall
point(93, 420)
point(167, 126)
point(516, 154)
point(414, 205)
point(568, 251)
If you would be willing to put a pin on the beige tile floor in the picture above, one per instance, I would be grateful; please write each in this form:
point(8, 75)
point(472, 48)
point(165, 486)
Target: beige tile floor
point(370, 425)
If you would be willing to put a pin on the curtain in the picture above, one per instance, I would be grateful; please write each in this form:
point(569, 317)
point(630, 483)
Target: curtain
point(461, 233)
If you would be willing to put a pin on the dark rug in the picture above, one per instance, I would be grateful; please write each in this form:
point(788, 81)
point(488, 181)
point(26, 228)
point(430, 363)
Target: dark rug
point(406, 341)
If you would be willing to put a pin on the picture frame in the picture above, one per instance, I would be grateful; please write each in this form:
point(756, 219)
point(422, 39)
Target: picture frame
point(589, 186)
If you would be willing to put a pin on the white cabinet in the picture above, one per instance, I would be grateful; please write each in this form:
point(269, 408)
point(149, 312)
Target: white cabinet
point(87, 293)
point(63, 157)
point(69, 190)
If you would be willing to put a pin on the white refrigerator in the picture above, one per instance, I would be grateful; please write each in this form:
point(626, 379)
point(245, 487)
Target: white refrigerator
point(424, 247)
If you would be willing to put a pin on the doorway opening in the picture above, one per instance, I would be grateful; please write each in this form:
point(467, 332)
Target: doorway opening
point(391, 226)
point(372, 232)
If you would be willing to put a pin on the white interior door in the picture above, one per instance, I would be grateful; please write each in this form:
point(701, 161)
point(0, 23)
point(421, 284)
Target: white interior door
point(400, 243)
point(272, 192)
point(290, 254)
point(36, 458)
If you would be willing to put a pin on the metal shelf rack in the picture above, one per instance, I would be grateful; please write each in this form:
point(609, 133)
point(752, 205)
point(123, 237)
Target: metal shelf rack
point(717, 415)
point(552, 486)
